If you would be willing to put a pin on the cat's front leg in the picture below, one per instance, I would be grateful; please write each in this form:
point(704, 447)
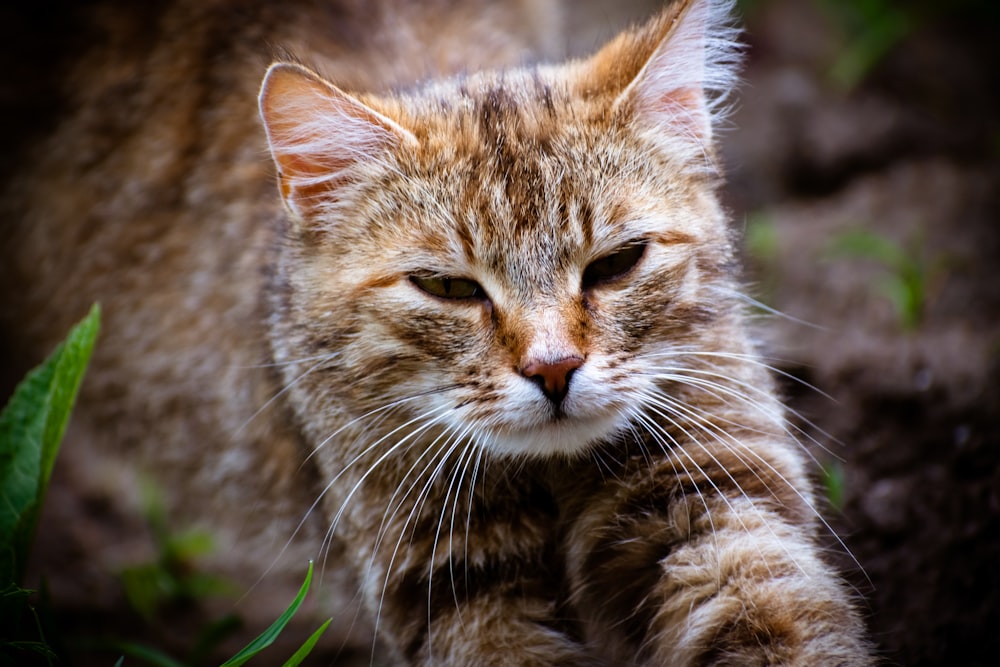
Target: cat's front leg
point(709, 565)
point(508, 625)
point(483, 587)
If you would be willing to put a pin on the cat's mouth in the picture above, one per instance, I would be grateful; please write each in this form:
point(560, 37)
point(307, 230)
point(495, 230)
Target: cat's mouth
point(558, 414)
point(562, 434)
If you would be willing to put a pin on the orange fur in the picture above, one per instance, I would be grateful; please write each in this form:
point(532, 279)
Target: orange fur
point(505, 352)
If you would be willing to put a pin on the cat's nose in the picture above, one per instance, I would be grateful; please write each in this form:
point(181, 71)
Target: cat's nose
point(552, 377)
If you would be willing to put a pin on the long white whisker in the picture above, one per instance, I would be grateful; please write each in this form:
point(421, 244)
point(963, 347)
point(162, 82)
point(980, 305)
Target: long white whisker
point(738, 448)
point(437, 533)
point(410, 436)
point(480, 451)
point(383, 408)
point(754, 360)
point(437, 450)
point(290, 362)
point(658, 408)
point(407, 440)
point(441, 455)
point(667, 444)
point(329, 485)
point(457, 477)
point(281, 393)
point(722, 392)
point(463, 464)
point(756, 303)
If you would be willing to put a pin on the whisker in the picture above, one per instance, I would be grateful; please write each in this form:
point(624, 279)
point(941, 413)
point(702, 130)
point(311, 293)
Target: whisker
point(740, 448)
point(279, 394)
point(444, 451)
point(752, 359)
point(440, 454)
point(388, 406)
point(741, 390)
point(409, 437)
point(325, 545)
point(656, 406)
point(289, 362)
point(465, 459)
point(698, 416)
point(455, 481)
point(667, 444)
point(755, 303)
point(437, 533)
point(480, 451)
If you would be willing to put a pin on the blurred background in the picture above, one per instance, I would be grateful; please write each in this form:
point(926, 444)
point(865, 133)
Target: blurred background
point(864, 172)
point(863, 159)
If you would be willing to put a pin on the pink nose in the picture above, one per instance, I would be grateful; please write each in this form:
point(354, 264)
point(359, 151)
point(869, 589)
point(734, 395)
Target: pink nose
point(552, 377)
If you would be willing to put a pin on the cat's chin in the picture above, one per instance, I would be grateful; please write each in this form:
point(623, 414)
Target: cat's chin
point(568, 437)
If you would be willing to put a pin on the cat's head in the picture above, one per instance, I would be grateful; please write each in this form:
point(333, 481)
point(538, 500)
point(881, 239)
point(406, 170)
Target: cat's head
point(507, 257)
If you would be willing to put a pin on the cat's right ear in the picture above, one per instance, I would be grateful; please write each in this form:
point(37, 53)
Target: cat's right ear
point(320, 136)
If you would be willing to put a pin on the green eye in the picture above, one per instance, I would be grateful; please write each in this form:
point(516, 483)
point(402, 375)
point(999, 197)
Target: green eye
point(449, 288)
point(613, 266)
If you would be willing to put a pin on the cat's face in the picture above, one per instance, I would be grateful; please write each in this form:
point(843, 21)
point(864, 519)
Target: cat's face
point(512, 267)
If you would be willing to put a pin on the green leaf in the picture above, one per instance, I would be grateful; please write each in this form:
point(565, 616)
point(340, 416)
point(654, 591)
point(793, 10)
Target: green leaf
point(189, 545)
point(146, 587)
point(31, 428)
point(147, 654)
point(761, 237)
point(308, 646)
point(862, 244)
point(906, 297)
point(267, 637)
point(834, 482)
point(905, 269)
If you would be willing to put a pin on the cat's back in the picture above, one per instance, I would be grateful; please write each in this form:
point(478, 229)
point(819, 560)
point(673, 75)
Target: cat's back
point(150, 189)
point(145, 185)
point(152, 154)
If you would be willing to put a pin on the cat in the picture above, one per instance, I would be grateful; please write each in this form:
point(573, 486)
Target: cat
point(477, 346)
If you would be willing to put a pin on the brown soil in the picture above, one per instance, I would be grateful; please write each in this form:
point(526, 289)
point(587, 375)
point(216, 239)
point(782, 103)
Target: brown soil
point(909, 154)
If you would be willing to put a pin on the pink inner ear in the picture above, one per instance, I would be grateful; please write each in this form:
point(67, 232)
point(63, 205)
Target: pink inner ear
point(686, 73)
point(316, 133)
point(684, 111)
point(301, 180)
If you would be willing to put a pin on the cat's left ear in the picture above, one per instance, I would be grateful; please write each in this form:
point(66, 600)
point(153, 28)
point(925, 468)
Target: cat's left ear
point(688, 60)
point(320, 137)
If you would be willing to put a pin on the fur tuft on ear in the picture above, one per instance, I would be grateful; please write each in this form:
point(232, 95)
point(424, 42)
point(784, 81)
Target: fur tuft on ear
point(689, 57)
point(317, 134)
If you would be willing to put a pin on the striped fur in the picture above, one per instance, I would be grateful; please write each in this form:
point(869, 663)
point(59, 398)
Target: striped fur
point(277, 351)
point(660, 513)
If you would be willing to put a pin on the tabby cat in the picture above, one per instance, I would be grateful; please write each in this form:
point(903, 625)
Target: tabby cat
point(481, 353)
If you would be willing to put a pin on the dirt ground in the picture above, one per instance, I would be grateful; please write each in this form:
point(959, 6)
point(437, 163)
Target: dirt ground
point(848, 192)
point(871, 205)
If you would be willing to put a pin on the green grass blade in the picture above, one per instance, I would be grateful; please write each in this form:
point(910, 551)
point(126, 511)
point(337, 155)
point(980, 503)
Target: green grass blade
point(267, 637)
point(863, 244)
point(308, 646)
point(31, 428)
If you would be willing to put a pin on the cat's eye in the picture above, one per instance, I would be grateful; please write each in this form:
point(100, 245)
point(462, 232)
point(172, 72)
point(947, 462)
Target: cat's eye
point(449, 288)
point(613, 266)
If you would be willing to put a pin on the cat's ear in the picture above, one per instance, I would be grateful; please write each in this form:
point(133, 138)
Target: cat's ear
point(679, 68)
point(320, 136)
